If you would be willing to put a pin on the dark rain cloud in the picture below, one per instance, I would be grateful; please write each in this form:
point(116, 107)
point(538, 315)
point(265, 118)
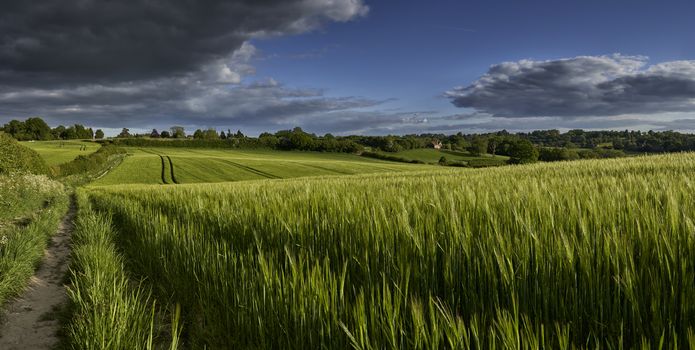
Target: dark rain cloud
point(581, 86)
point(153, 63)
point(59, 42)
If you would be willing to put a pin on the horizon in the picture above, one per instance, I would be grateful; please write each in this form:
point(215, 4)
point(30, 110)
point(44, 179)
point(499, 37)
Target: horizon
point(351, 67)
point(112, 133)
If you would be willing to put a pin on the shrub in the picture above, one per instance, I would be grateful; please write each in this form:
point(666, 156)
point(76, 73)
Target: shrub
point(17, 158)
point(597, 153)
point(554, 154)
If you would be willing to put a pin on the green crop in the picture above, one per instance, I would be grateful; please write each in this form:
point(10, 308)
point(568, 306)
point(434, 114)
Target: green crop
point(581, 254)
point(154, 166)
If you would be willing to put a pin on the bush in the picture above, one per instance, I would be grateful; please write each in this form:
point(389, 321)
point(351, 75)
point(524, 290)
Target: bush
point(597, 153)
point(17, 158)
point(460, 164)
point(552, 154)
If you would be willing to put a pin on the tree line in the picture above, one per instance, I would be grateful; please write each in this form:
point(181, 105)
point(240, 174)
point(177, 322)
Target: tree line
point(295, 139)
point(37, 129)
point(545, 145)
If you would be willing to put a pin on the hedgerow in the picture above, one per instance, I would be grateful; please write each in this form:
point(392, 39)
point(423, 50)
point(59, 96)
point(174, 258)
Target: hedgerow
point(391, 158)
point(17, 158)
point(88, 163)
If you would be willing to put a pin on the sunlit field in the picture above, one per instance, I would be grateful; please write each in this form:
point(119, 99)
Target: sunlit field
point(176, 165)
point(591, 254)
point(59, 152)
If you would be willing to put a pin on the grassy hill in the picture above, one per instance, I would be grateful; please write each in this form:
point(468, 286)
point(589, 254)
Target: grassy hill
point(181, 165)
point(59, 152)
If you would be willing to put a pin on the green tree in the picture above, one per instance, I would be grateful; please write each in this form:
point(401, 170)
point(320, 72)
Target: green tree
point(154, 134)
point(492, 144)
point(178, 132)
point(125, 133)
point(210, 134)
point(69, 133)
point(268, 140)
point(17, 129)
point(37, 129)
point(99, 134)
point(523, 152)
point(478, 146)
point(301, 140)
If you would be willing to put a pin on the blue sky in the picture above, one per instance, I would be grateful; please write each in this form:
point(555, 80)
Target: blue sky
point(414, 51)
point(351, 66)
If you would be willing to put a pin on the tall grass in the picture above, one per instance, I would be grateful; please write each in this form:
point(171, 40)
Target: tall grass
point(21, 195)
point(582, 254)
point(109, 311)
point(31, 206)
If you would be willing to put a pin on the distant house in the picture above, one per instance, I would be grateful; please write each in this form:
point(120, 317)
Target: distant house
point(436, 144)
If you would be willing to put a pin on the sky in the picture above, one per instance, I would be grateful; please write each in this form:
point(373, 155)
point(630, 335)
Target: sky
point(350, 66)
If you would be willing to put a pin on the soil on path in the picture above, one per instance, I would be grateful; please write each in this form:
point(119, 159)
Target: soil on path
point(27, 323)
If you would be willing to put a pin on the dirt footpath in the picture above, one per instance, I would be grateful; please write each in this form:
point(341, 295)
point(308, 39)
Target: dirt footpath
point(27, 323)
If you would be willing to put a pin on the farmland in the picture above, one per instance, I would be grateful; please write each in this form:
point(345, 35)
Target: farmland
point(58, 152)
point(185, 165)
point(596, 253)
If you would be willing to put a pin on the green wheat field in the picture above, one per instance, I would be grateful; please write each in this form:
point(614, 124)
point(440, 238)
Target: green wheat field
point(219, 249)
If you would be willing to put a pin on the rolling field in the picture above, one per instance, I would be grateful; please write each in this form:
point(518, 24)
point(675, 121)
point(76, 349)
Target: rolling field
point(176, 165)
point(59, 152)
point(583, 254)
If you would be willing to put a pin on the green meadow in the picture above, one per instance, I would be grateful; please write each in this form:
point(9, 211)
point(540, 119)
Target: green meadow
point(186, 165)
point(59, 152)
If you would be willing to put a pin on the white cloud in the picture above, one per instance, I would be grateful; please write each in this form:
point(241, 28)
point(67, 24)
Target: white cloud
point(595, 86)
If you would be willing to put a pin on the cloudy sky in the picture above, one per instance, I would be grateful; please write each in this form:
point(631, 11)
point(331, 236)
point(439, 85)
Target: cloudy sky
point(350, 66)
